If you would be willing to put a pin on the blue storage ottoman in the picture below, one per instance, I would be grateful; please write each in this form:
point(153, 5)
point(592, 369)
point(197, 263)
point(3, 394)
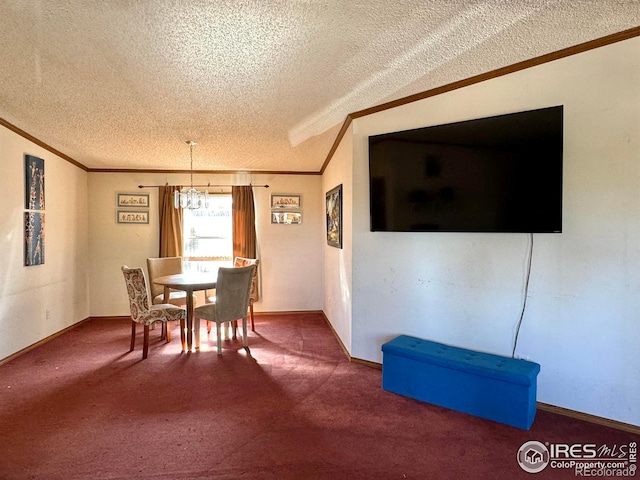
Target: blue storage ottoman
point(490, 386)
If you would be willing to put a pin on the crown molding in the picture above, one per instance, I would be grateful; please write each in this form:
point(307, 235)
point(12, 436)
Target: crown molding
point(516, 67)
point(549, 57)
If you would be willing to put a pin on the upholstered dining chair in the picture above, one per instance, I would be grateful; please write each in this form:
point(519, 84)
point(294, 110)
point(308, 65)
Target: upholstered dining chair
point(253, 296)
point(231, 302)
point(147, 315)
point(159, 267)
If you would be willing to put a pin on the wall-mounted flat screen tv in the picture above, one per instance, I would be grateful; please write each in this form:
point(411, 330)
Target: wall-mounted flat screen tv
point(494, 174)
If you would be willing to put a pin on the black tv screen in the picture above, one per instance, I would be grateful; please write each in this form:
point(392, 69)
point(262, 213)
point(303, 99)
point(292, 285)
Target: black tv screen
point(494, 174)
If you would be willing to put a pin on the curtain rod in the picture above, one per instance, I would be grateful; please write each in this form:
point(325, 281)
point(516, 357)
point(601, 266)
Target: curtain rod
point(202, 186)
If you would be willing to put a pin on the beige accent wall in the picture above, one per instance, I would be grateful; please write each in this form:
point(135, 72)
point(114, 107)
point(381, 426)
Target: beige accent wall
point(41, 300)
point(291, 255)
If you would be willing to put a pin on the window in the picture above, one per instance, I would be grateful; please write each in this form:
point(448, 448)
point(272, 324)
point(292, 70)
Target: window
point(207, 236)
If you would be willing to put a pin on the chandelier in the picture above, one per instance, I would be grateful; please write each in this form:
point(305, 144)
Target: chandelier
point(191, 199)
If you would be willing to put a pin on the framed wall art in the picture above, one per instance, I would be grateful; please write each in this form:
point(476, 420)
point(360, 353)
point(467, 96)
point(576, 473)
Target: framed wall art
point(33, 238)
point(334, 216)
point(34, 216)
point(133, 200)
point(34, 183)
point(133, 216)
point(280, 200)
point(286, 217)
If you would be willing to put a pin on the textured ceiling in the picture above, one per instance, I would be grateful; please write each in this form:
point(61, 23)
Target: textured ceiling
point(260, 85)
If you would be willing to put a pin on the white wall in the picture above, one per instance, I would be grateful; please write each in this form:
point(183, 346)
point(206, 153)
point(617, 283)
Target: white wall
point(60, 285)
point(290, 255)
point(581, 322)
point(338, 262)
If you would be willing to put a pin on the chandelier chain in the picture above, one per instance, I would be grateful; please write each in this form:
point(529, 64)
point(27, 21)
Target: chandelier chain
point(191, 152)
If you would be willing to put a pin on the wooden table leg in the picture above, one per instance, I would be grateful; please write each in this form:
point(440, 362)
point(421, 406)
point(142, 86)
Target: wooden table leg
point(195, 324)
point(196, 328)
point(189, 321)
point(183, 338)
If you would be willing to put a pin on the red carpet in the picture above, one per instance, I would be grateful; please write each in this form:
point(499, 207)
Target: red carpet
point(83, 407)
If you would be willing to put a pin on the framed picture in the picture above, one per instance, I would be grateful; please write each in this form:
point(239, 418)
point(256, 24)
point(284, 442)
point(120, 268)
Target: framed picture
point(334, 216)
point(286, 217)
point(279, 200)
point(133, 216)
point(34, 183)
point(133, 200)
point(33, 238)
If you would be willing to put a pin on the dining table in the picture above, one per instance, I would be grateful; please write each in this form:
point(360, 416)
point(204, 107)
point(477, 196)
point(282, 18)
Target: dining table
point(189, 283)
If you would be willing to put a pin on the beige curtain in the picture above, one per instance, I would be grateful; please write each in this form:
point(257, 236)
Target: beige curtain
point(170, 223)
point(244, 222)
